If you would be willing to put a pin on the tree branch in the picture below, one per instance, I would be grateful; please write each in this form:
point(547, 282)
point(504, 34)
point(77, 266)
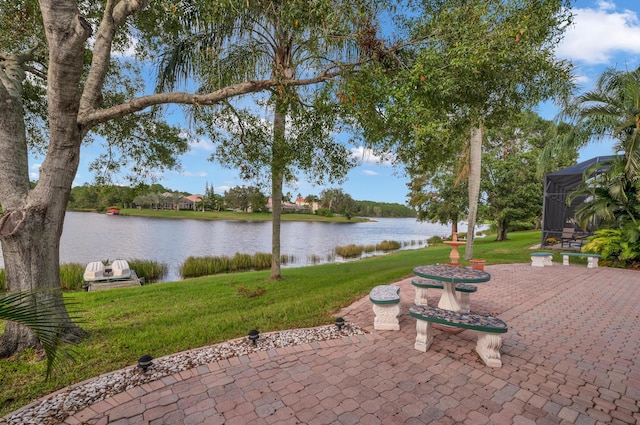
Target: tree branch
point(91, 119)
point(114, 16)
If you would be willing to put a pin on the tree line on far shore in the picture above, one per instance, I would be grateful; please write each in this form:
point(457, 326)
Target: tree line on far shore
point(239, 198)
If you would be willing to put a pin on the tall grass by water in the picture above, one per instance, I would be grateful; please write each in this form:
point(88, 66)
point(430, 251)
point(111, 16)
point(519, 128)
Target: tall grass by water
point(355, 251)
point(349, 251)
point(151, 271)
point(210, 265)
point(388, 246)
point(71, 276)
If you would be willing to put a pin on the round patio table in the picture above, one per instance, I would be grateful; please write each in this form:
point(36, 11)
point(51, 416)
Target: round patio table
point(449, 276)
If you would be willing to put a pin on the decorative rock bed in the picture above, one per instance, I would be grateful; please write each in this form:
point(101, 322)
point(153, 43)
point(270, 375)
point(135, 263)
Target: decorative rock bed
point(53, 409)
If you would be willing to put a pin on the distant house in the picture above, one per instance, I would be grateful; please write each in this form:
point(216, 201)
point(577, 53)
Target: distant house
point(190, 202)
point(288, 206)
point(174, 202)
point(311, 206)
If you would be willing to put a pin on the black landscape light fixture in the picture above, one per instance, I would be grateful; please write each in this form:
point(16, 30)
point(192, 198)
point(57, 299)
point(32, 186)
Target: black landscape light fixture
point(253, 336)
point(339, 323)
point(145, 362)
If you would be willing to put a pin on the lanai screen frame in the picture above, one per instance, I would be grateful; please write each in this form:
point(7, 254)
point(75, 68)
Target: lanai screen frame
point(556, 214)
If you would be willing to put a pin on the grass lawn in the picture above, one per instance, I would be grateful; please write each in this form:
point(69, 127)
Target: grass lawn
point(233, 215)
point(169, 317)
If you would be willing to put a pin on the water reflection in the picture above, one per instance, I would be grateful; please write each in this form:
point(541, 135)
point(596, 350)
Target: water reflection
point(91, 237)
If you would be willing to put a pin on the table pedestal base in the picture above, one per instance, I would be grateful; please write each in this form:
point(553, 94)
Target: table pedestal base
point(448, 300)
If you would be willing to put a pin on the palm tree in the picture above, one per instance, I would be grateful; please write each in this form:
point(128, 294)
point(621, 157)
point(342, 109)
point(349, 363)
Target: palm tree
point(612, 196)
point(610, 110)
point(283, 40)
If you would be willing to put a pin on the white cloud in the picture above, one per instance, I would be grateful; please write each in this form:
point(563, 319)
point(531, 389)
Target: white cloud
point(190, 174)
point(202, 144)
point(366, 156)
point(34, 174)
point(370, 173)
point(600, 33)
point(606, 5)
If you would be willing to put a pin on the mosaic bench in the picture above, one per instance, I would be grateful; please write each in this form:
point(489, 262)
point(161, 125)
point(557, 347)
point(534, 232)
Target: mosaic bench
point(488, 327)
point(541, 259)
point(422, 285)
point(592, 259)
point(386, 306)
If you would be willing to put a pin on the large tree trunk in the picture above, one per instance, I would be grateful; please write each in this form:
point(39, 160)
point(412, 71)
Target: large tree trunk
point(31, 224)
point(30, 242)
point(502, 231)
point(475, 158)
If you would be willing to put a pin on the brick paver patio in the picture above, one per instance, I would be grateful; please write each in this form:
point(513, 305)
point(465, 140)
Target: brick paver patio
point(571, 356)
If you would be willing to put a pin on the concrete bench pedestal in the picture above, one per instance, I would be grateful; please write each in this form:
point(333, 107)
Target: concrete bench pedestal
point(488, 327)
point(541, 259)
point(592, 259)
point(386, 306)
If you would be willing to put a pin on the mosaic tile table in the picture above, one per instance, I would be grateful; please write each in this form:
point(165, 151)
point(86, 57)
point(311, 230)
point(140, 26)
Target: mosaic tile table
point(450, 275)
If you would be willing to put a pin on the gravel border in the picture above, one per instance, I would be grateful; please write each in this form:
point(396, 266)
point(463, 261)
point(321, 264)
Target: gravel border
point(53, 409)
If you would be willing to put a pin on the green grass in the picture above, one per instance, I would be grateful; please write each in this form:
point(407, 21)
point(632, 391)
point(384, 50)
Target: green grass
point(169, 317)
point(233, 215)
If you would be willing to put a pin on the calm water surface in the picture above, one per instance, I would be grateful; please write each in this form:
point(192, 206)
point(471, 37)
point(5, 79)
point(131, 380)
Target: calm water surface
point(92, 237)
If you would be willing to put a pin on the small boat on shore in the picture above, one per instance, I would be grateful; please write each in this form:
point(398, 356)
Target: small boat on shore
point(113, 211)
point(116, 274)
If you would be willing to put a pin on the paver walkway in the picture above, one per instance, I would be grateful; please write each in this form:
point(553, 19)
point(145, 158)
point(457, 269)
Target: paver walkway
point(571, 356)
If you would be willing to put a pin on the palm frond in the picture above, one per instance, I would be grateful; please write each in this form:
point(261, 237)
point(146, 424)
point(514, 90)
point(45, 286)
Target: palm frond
point(40, 317)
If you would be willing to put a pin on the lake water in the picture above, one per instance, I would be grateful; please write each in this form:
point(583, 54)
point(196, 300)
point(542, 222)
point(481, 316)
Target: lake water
point(93, 237)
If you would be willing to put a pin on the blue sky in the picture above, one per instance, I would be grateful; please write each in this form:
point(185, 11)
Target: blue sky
point(606, 33)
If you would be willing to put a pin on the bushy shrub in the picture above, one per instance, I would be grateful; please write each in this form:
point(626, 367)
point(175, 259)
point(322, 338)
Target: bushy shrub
point(617, 247)
point(520, 226)
point(324, 212)
point(434, 240)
